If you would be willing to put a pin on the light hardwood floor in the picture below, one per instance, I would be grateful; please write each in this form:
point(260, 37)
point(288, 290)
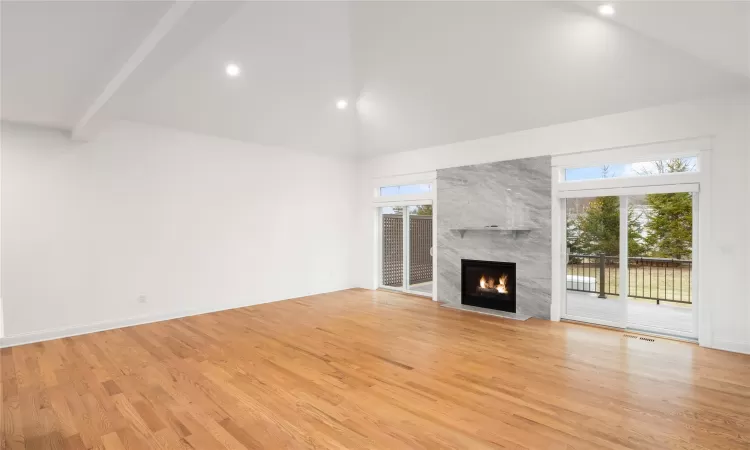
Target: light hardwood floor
point(362, 369)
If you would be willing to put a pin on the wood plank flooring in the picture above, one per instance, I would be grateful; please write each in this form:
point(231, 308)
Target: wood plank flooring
point(362, 369)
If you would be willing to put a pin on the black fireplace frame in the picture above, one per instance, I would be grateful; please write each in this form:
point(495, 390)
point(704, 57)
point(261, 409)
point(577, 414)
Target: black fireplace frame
point(507, 305)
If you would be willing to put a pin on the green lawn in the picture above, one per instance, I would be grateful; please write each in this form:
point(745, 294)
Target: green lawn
point(650, 282)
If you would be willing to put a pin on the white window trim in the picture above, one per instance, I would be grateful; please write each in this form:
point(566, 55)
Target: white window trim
point(699, 147)
point(403, 199)
point(387, 203)
point(630, 190)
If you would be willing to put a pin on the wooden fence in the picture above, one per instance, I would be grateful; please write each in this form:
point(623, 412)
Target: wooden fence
point(420, 242)
point(393, 250)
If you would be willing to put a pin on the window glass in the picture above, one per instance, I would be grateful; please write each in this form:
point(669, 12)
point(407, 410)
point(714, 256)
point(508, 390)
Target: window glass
point(673, 165)
point(405, 189)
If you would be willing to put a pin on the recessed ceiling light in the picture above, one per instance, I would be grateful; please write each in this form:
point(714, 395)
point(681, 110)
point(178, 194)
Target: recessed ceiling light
point(233, 70)
point(607, 10)
point(342, 104)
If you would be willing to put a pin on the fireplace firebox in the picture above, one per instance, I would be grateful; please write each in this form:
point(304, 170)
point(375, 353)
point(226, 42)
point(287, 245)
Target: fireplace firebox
point(489, 284)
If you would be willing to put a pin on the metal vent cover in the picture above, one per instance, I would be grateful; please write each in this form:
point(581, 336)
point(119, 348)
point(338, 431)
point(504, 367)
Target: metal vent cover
point(639, 338)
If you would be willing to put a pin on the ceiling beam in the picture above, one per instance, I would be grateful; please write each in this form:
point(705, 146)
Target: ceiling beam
point(162, 28)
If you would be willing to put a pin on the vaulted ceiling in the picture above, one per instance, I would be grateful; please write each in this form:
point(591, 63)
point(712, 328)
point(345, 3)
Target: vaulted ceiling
point(415, 74)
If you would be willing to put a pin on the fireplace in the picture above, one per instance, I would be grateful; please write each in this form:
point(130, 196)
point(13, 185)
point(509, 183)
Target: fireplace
point(488, 284)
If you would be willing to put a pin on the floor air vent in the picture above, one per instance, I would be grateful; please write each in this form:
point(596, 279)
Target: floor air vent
point(638, 337)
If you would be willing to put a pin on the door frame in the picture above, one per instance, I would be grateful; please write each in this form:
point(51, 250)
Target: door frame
point(405, 245)
point(425, 198)
point(694, 181)
point(622, 320)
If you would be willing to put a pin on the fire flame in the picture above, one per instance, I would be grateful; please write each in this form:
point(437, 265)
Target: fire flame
point(489, 283)
point(502, 284)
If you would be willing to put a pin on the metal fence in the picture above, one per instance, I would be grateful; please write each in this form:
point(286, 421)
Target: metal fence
point(659, 279)
point(585, 274)
point(420, 241)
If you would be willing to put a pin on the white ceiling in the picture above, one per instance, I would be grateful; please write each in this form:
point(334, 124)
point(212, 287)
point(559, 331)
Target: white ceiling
point(425, 73)
point(295, 59)
point(451, 71)
point(58, 56)
point(717, 32)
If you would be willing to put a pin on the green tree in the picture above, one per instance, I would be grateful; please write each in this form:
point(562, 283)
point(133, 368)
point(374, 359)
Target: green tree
point(596, 230)
point(669, 228)
point(670, 225)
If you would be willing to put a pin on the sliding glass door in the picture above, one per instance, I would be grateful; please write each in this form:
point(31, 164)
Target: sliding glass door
point(629, 260)
point(593, 244)
point(660, 263)
point(406, 236)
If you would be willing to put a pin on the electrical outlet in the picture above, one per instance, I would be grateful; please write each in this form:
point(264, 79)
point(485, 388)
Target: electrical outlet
point(141, 299)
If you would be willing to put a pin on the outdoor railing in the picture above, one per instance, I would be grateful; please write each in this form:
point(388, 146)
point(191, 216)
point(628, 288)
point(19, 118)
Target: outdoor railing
point(659, 279)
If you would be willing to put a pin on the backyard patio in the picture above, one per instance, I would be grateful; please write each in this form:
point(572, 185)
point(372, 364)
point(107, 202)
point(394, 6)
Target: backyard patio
point(670, 318)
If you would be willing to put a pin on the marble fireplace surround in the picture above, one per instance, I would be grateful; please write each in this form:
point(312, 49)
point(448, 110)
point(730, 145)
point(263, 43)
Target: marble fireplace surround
point(509, 194)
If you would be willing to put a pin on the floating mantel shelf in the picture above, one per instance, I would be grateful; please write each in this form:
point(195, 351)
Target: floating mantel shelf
point(514, 230)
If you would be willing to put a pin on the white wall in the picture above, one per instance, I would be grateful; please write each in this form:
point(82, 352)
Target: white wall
point(191, 222)
point(727, 119)
point(197, 223)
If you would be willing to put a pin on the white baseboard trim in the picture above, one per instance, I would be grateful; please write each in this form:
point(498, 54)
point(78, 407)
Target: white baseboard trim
point(731, 346)
point(58, 333)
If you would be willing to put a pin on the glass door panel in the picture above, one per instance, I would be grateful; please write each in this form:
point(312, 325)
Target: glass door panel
point(660, 263)
point(593, 260)
point(392, 247)
point(419, 258)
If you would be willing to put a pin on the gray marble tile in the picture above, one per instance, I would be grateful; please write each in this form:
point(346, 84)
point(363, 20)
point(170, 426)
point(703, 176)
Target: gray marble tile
point(507, 194)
